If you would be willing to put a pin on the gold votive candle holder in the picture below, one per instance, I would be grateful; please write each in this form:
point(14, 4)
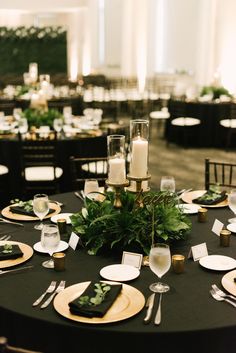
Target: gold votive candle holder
point(202, 215)
point(59, 261)
point(225, 237)
point(61, 223)
point(178, 263)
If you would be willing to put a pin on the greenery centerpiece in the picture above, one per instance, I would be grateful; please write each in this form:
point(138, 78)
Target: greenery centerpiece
point(102, 227)
point(216, 91)
point(40, 117)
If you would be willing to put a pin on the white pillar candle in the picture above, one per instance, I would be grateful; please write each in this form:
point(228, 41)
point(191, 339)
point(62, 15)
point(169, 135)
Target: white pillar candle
point(116, 172)
point(139, 158)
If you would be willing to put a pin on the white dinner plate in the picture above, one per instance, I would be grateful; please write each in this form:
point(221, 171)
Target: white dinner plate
point(119, 272)
point(218, 262)
point(189, 208)
point(65, 216)
point(61, 247)
point(232, 227)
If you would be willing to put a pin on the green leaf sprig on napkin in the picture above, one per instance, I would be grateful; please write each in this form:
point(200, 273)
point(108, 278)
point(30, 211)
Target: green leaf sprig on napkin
point(213, 196)
point(10, 251)
point(24, 208)
point(95, 301)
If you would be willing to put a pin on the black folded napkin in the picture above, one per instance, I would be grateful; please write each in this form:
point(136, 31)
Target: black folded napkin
point(14, 254)
point(21, 210)
point(95, 310)
point(211, 198)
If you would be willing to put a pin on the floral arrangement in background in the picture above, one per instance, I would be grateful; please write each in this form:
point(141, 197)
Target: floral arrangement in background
point(103, 228)
point(40, 117)
point(216, 91)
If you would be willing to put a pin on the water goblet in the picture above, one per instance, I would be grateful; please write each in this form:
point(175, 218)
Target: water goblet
point(40, 208)
point(167, 183)
point(50, 239)
point(22, 125)
point(57, 124)
point(232, 204)
point(159, 263)
point(90, 185)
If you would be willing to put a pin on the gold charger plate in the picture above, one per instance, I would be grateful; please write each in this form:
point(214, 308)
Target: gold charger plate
point(19, 217)
point(228, 283)
point(27, 253)
point(188, 197)
point(129, 303)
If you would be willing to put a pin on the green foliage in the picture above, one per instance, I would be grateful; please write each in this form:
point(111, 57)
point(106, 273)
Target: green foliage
point(101, 227)
point(216, 91)
point(26, 205)
point(40, 117)
point(7, 249)
point(20, 46)
point(100, 289)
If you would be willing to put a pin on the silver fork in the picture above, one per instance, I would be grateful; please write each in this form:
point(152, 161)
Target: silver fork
point(221, 293)
point(50, 289)
point(219, 298)
point(60, 287)
point(5, 237)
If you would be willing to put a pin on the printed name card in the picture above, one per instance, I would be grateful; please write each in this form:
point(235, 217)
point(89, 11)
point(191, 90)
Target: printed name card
point(217, 227)
point(73, 241)
point(198, 251)
point(132, 259)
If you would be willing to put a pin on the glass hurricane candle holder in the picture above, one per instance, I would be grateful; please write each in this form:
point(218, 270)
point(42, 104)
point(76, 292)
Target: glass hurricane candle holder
point(139, 131)
point(116, 159)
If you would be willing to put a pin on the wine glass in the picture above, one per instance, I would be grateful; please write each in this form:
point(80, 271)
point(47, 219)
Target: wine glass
point(41, 208)
point(50, 239)
point(22, 125)
point(232, 204)
point(57, 124)
point(159, 263)
point(90, 185)
point(167, 183)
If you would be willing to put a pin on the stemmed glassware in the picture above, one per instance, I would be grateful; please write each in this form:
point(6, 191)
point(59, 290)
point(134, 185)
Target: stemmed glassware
point(167, 183)
point(40, 208)
point(50, 239)
point(90, 185)
point(58, 124)
point(232, 204)
point(159, 263)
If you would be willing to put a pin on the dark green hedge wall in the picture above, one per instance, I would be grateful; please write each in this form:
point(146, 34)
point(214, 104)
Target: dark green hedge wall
point(23, 45)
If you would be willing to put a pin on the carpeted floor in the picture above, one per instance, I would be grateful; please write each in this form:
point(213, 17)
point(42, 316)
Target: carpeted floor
point(185, 164)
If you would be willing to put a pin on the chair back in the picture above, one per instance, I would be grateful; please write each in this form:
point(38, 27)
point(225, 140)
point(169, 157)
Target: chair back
point(221, 173)
point(39, 162)
point(87, 168)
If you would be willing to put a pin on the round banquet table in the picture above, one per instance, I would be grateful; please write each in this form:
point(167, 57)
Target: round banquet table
point(192, 321)
point(209, 133)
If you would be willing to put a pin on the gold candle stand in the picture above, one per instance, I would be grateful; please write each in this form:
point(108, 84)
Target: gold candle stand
point(118, 188)
point(138, 188)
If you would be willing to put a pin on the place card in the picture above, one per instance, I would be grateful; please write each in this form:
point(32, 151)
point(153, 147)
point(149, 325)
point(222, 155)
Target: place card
point(198, 251)
point(132, 259)
point(73, 241)
point(217, 227)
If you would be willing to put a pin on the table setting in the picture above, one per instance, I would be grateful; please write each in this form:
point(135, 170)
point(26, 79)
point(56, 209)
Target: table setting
point(101, 295)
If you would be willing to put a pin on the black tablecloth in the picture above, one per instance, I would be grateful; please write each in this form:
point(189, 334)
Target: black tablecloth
point(192, 321)
point(210, 133)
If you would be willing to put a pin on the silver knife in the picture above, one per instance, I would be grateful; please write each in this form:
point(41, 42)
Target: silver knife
point(149, 305)
point(3, 272)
